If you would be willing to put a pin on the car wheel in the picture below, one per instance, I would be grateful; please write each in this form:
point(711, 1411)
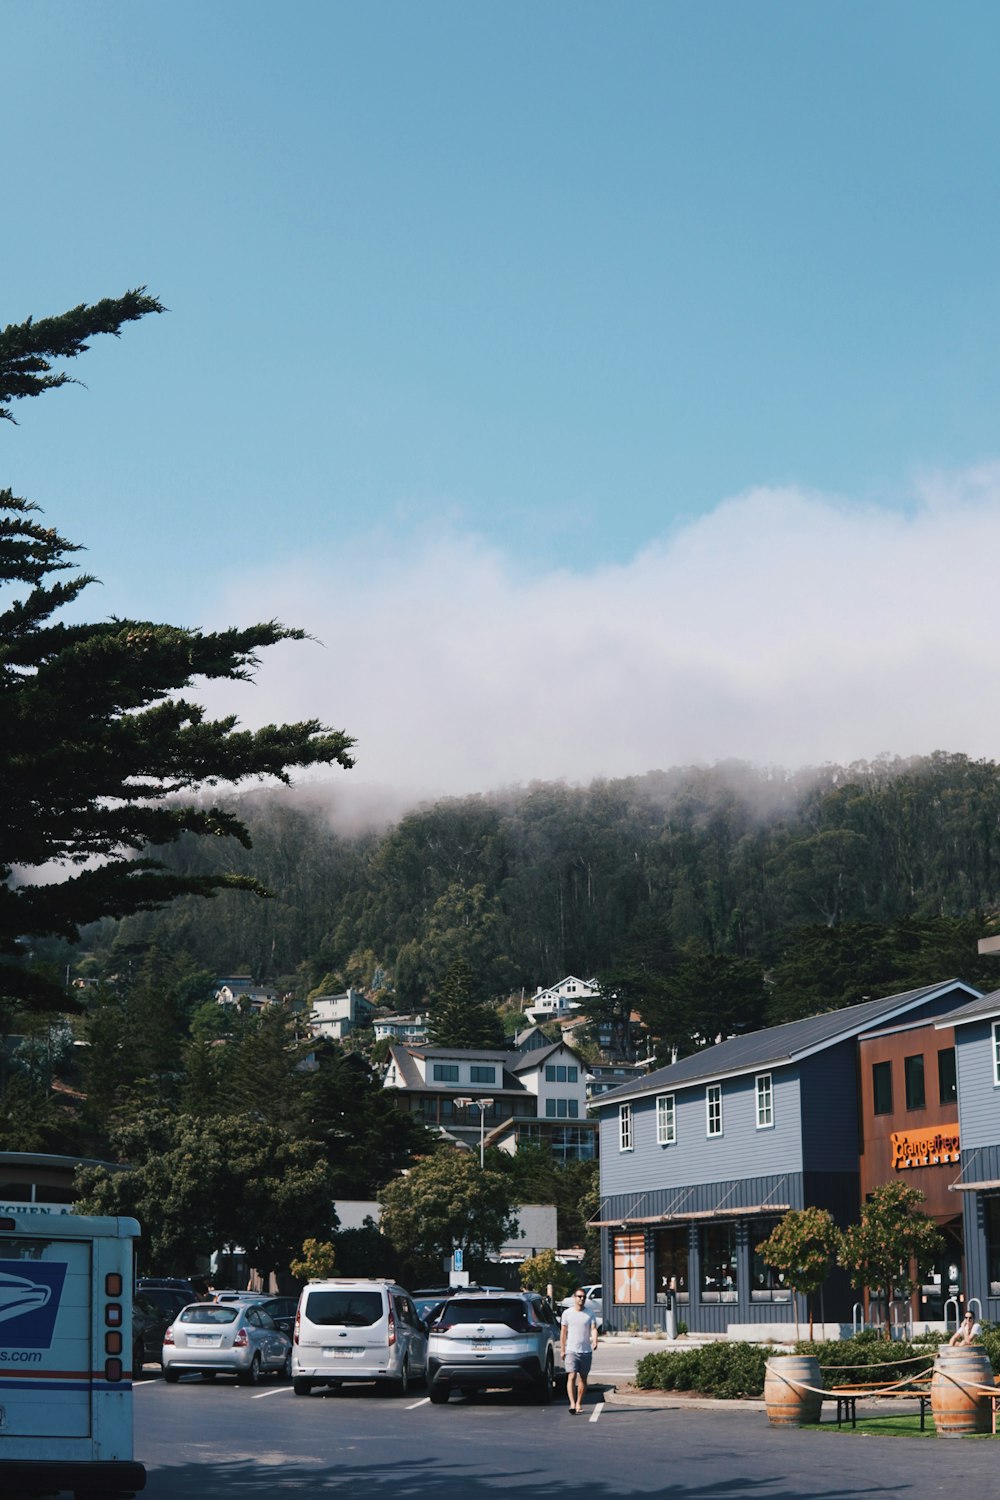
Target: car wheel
point(251, 1376)
point(439, 1395)
point(285, 1373)
point(301, 1387)
point(171, 1376)
point(401, 1386)
point(546, 1384)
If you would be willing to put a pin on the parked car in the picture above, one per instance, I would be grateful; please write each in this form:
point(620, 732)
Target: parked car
point(225, 1338)
point(149, 1323)
point(428, 1299)
point(357, 1329)
point(281, 1310)
point(486, 1339)
point(168, 1299)
point(594, 1303)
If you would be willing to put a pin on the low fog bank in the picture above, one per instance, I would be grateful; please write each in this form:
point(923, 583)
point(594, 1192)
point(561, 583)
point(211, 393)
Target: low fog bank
point(785, 629)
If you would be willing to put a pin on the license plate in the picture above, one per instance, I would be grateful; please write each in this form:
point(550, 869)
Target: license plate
point(480, 1344)
point(342, 1353)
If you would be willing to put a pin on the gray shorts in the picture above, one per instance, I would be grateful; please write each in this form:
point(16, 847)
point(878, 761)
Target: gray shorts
point(579, 1361)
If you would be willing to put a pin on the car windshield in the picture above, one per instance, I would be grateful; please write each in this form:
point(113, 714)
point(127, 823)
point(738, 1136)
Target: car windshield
point(343, 1308)
point(508, 1311)
point(210, 1312)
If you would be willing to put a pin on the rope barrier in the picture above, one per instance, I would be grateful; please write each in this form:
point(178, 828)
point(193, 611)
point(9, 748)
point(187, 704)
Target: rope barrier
point(880, 1364)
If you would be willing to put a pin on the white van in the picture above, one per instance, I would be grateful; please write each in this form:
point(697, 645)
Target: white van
point(65, 1355)
point(357, 1329)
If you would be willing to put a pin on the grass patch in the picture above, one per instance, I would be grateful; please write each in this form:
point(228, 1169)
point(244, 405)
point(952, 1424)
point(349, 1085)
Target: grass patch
point(881, 1426)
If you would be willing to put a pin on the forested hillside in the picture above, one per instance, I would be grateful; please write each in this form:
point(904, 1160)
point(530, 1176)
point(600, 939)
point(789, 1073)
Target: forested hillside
point(829, 882)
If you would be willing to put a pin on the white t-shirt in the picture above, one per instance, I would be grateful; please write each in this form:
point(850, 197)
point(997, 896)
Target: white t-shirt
point(578, 1324)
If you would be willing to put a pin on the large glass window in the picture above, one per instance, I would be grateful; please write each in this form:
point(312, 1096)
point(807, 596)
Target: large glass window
point(947, 1077)
point(482, 1074)
point(561, 1073)
point(766, 1284)
point(670, 1248)
point(666, 1121)
point(718, 1263)
point(992, 1214)
point(629, 1268)
point(713, 1108)
point(765, 1102)
point(882, 1087)
point(562, 1109)
point(625, 1127)
point(446, 1072)
point(996, 1052)
point(913, 1077)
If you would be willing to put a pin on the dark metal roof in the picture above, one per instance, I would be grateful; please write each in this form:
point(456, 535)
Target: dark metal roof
point(778, 1044)
point(979, 1009)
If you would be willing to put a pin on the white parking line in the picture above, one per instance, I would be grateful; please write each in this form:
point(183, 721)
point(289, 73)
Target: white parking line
point(279, 1390)
point(597, 1411)
point(424, 1402)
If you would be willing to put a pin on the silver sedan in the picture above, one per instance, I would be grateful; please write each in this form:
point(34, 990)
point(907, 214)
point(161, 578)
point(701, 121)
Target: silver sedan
point(225, 1338)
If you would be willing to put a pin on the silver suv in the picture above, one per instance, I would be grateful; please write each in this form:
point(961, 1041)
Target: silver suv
point(494, 1339)
point(357, 1329)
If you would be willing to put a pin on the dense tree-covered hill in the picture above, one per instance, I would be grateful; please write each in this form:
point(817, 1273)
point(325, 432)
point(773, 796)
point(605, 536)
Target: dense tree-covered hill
point(870, 872)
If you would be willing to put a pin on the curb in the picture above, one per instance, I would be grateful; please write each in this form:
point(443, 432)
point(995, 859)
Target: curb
point(666, 1401)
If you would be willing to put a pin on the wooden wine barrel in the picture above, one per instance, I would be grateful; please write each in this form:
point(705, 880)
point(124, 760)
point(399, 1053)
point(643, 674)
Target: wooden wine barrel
point(957, 1409)
point(788, 1405)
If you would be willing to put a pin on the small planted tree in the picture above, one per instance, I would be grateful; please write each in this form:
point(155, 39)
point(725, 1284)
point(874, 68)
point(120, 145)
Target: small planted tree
point(544, 1270)
point(892, 1237)
point(802, 1248)
point(318, 1261)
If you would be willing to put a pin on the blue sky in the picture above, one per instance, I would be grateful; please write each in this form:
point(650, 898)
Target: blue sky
point(605, 385)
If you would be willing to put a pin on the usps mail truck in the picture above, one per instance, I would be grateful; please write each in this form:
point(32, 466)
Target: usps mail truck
point(65, 1355)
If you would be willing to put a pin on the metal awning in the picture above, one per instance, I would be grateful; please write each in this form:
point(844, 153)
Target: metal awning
point(973, 1187)
point(754, 1209)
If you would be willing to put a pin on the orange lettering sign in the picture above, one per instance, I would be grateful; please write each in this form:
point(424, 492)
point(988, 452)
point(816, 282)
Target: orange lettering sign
point(924, 1148)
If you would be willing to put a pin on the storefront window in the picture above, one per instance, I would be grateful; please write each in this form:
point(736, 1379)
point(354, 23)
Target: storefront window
point(671, 1253)
point(718, 1263)
point(947, 1079)
point(766, 1284)
point(630, 1269)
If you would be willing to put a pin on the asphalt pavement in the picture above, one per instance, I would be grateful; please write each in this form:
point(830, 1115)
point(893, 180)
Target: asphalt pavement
point(220, 1441)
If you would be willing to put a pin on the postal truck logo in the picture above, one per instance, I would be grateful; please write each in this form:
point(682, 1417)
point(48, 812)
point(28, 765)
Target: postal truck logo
point(29, 1303)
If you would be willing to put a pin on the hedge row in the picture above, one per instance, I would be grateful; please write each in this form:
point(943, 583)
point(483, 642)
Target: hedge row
point(730, 1371)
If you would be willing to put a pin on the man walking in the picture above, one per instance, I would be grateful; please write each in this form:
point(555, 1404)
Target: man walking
point(577, 1343)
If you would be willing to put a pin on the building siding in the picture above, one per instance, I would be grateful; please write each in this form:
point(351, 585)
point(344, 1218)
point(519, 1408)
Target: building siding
point(741, 1151)
point(829, 1093)
point(979, 1098)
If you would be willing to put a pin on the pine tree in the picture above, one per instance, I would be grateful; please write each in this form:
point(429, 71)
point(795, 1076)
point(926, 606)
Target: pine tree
point(459, 1018)
point(98, 749)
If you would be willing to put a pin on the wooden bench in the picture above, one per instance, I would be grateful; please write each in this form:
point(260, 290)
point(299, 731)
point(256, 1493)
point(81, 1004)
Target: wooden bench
point(847, 1401)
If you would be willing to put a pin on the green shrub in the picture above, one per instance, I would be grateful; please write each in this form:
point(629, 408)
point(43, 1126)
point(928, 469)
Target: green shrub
point(727, 1371)
point(875, 1361)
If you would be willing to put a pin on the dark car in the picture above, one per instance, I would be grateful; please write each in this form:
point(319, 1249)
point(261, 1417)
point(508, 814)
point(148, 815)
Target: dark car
point(149, 1323)
point(281, 1310)
point(169, 1300)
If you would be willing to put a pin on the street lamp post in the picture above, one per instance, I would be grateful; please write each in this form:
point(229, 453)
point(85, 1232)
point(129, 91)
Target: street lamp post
point(482, 1105)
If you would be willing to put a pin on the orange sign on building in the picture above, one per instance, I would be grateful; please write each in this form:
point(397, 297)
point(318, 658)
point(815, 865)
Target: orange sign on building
point(924, 1148)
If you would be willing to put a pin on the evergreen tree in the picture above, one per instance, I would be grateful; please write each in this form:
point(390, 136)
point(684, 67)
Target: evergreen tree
point(459, 1018)
point(97, 747)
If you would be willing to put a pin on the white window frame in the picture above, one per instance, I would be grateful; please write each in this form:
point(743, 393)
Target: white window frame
point(996, 1054)
point(626, 1135)
point(666, 1120)
point(765, 1101)
point(713, 1109)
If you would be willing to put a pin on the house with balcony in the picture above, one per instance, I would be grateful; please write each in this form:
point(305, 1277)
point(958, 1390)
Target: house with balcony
point(497, 1098)
point(245, 991)
point(560, 1000)
point(401, 1029)
point(700, 1159)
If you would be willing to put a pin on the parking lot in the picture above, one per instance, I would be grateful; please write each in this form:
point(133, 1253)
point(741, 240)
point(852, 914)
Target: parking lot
point(222, 1440)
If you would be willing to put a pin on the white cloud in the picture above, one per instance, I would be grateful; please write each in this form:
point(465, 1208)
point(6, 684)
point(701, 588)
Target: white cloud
point(783, 628)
